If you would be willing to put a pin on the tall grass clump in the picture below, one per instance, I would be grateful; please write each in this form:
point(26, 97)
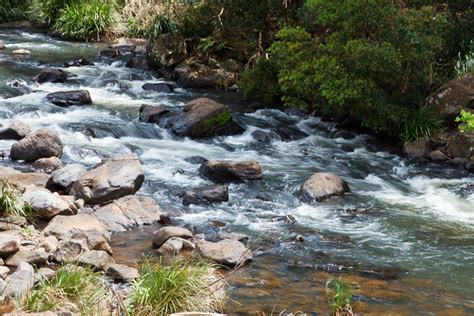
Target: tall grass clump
point(11, 203)
point(421, 123)
point(85, 20)
point(340, 295)
point(72, 288)
point(45, 12)
point(13, 10)
point(178, 287)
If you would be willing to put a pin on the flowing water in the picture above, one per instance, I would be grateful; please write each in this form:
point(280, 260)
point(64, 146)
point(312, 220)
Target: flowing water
point(405, 234)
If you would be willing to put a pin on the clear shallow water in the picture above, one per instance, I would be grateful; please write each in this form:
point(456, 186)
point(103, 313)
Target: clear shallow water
point(419, 219)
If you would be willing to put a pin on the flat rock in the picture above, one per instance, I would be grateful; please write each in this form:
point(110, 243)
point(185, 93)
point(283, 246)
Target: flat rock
point(112, 179)
point(69, 98)
point(53, 75)
point(41, 144)
point(63, 178)
point(227, 252)
point(47, 204)
point(323, 185)
point(18, 130)
point(165, 233)
point(63, 227)
point(35, 257)
point(122, 273)
point(22, 181)
point(128, 212)
point(226, 171)
point(96, 259)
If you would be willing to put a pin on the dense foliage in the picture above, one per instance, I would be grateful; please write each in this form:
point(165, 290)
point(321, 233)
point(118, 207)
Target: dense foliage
point(13, 10)
point(466, 121)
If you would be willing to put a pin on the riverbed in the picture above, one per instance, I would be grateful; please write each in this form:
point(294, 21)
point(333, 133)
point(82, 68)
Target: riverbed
point(404, 235)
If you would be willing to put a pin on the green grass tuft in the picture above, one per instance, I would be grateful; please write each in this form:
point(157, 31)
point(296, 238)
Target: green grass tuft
point(11, 203)
point(177, 287)
point(340, 295)
point(420, 124)
point(72, 288)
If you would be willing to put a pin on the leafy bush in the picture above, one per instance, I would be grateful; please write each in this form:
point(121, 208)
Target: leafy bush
point(13, 10)
point(72, 288)
point(267, 89)
point(10, 202)
point(178, 287)
point(466, 121)
point(420, 124)
point(85, 20)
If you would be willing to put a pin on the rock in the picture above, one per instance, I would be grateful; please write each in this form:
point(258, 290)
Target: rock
point(207, 194)
point(158, 87)
point(323, 185)
point(45, 273)
point(196, 74)
point(204, 117)
point(166, 51)
point(265, 137)
point(196, 160)
point(227, 252)
point(114, 83)
point(63, 227)
point(461, 145)
point(49, 243)
point(18, 130)
point(63, 179)
point(171, 247)
point(95, 240)
point(41, 144)
point(69, 251)
point(152, 114)
point(96, 259)
point(21, 51)
point(4, 272)
point(455, 95)
point(21, 281)
point(9, 244)
point(128, 212)
point(237, 236)
point(165, 233)
point(122, 273)
point(225, 171)
point(35, 257)
point(69, 98)
point(47, 204)
point(78, 62)
point(437, 155)
point(53, 75)
point(418, 148)
point(23, 181)
point(47, 164)
point(2, 45)
point(110, 180)
point(19, 85)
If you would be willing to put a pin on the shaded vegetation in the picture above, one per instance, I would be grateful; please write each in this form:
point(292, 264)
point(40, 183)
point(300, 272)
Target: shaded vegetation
point(13, 10)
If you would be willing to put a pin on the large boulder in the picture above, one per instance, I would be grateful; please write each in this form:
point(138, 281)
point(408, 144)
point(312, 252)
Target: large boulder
point(166, 51)
point(168, 232)
point(323, 185)
point(204, 117)
point(128, 212)
point(52, 75)
point(460, 145)
point(41, 144)
point(47, 205)
point(225, 170)
point(63, 179)
point(64, 227)
point(420, 147)
point(207, 194)
point(69, 98)
point(112, 179)
point(455, 95)
point(227, 252)
point(18, 130)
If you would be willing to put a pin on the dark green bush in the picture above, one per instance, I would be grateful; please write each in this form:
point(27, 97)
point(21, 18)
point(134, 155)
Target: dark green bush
point(267, 89)
point(13, 10)
point(85, 20)
point(46, 12)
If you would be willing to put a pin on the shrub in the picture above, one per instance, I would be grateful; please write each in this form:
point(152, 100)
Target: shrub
point(466, 121)
point(47, 11)
point(13, 10)
point(421, 123)
point(10, 202)
point(72, 288)
point(266, 90)
point(178, 287)
point(340, 295)
point(85, 20)
point(160, 24)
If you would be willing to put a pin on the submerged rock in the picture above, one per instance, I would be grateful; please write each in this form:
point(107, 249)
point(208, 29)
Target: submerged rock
point(323, 185)
point(110, 180)
point(204, 117)
point(53, 75)
point(227, 252)
point(128, 212)
point(265, 137)
point(207, 194)
point(226, 171)
point(18, 130)
point(69, 98)
point(41, 144)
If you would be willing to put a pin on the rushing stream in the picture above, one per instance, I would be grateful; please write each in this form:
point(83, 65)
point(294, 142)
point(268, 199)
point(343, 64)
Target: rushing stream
point(405, 234)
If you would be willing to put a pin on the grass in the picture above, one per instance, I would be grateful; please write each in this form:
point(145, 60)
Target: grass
point(340, 295)
point(13, 10)
point(421, 124)
point(72, 288)
point(181, 286)
point(10, 202)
